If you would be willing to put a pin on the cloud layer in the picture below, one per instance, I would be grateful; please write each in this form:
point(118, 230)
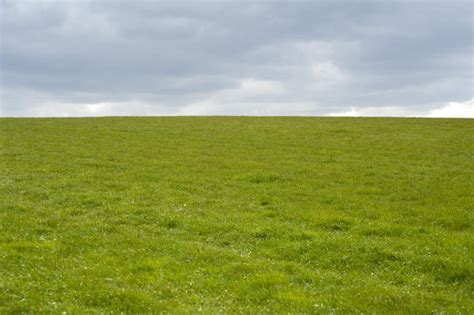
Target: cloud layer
point(82, 58)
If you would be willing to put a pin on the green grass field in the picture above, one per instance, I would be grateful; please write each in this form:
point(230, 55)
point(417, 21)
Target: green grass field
point(237, 215)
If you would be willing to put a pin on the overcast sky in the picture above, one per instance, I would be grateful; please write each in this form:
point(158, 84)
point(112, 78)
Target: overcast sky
point(91, 58)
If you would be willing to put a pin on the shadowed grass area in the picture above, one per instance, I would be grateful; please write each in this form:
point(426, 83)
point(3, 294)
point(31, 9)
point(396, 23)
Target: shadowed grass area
point(236, 214)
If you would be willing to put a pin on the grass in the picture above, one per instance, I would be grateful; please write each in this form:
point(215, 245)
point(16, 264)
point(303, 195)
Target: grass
point(236, 215)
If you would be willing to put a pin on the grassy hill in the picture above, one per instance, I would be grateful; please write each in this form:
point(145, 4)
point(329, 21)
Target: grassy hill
point(236, 214)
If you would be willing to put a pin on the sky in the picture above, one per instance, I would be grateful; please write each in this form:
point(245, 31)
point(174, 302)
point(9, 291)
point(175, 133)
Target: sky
point(134, 58)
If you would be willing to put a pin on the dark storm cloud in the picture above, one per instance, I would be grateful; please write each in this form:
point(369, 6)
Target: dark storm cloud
point(233, 57)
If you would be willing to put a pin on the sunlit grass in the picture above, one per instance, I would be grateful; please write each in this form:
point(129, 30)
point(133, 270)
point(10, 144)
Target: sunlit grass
point(236, 215)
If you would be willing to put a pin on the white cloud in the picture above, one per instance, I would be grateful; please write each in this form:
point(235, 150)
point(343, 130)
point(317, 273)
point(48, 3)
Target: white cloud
point(449, 110)
point(260, 87)
point(350, 113)
point(254, 97)
point(47, 108)
point(211, 107)
point(387, 111)
point(455, 110)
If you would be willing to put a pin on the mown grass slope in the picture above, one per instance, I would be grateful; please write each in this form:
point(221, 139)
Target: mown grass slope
point(236, 214)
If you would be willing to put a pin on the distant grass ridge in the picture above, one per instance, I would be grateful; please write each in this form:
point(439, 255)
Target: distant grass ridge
point(236, 214)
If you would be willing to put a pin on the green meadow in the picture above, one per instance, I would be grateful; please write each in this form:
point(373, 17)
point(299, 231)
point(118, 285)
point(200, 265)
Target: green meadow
point(236, 215)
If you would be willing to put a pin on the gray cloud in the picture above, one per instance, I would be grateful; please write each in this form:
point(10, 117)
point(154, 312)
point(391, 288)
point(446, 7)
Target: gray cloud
point(234, 57)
